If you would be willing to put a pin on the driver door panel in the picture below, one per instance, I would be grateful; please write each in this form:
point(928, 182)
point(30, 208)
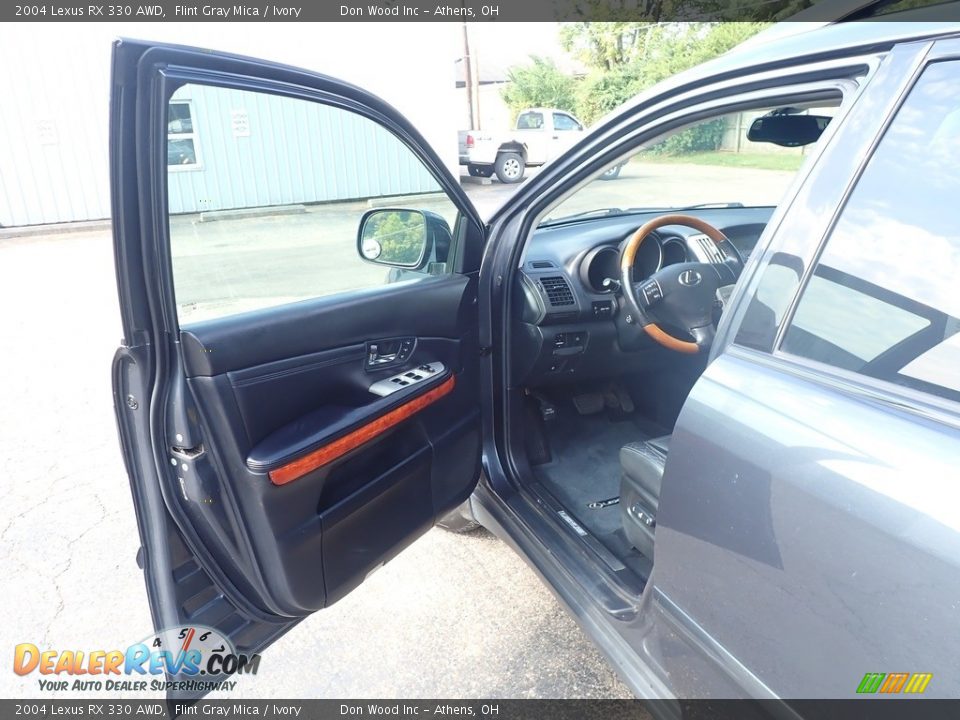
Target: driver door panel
point(269, 475)
point(258, 405)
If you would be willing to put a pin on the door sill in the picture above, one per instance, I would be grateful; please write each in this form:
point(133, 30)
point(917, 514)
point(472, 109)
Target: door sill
point(566, 568)
point(627, 579)
point(574, 557)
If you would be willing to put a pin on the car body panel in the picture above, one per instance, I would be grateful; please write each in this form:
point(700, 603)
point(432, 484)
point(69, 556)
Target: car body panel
point(808, 508)
point(710, 525)
point(794, 515)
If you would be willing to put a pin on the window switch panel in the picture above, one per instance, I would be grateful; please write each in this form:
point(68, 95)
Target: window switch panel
point(405, 379)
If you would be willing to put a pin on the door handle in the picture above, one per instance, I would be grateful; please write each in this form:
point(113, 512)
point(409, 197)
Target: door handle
point(374, 356)
point(391, 351)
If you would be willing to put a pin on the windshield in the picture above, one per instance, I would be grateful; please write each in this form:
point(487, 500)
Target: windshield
point(712, 163)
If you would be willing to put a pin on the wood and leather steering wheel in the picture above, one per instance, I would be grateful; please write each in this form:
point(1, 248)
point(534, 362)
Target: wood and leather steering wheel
point(682, 295)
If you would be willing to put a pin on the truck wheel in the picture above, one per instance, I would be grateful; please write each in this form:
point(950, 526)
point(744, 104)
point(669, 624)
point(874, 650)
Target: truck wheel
point(509, 167)
point(480, 170)
point(613, 173)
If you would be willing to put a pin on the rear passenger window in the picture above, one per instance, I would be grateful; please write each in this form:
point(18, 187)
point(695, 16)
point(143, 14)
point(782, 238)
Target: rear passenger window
point(271, 214)
point(530, 121)
point(883, 300)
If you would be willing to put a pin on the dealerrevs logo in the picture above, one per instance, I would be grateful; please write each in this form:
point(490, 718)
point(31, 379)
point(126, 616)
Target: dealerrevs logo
point(187, 658)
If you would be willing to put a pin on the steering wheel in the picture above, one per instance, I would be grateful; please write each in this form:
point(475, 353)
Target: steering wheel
point(681, 295)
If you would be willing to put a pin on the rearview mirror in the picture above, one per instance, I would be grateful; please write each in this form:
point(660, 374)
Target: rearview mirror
point(393, 237)
point(788, 130)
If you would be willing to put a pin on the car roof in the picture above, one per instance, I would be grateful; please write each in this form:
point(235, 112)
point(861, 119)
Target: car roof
point(797, 40)
point(798, 37)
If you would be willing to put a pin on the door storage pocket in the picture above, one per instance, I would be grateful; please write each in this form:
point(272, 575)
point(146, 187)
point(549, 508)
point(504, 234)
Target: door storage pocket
point(372, 524)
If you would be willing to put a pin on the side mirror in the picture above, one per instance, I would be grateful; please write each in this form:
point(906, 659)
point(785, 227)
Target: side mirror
point(394, 237)
point(788, 130)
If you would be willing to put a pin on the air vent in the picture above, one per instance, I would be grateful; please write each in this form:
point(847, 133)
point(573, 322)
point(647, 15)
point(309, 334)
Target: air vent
point(557, 290)
point(541, 264)
point(710, 248)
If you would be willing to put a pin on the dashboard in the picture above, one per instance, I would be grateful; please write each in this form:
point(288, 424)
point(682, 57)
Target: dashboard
point(568, 314)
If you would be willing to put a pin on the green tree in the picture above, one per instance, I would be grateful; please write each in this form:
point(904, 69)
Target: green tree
point(705, 137)
point(604, 45)
point(624, 58)
point(539, 84)
point(400, 234)
point(663, 50)
point(655, 11)
point(600, 92)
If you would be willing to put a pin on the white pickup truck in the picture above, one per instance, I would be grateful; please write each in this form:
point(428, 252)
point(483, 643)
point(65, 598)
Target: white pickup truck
point(540, 135)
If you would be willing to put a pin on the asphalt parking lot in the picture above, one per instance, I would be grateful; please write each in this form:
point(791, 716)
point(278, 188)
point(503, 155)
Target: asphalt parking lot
point(453, 616)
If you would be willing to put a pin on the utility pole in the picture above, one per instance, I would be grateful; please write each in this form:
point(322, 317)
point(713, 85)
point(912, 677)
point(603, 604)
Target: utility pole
point(476, 91)
point(468, 76)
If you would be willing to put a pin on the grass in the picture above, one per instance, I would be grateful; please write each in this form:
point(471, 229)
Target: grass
point(758, 161)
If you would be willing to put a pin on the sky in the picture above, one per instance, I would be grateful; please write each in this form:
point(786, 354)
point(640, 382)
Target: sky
point(513, 43)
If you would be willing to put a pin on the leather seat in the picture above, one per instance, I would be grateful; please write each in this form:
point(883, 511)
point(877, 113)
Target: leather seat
point(641, 465)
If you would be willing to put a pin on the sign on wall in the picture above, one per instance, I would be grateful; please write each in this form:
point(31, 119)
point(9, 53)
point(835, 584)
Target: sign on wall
point(240, 121)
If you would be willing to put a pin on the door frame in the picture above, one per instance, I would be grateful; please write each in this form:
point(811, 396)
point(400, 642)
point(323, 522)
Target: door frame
point(151, 356)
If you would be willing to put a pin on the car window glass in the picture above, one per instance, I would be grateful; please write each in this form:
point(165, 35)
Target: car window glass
point(708, 163)
point(530, 121)
point(564, 122)
point(853, 326)
point(270, 209)
point(883, 297)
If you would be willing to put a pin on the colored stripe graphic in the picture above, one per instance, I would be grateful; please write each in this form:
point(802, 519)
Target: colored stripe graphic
point(918, 682)
point(871, 682)
point(894, 682)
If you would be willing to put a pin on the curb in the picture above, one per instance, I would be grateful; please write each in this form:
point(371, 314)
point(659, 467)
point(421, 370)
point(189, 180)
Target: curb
point(54, 229)
point(242, 213)
point(397, 200)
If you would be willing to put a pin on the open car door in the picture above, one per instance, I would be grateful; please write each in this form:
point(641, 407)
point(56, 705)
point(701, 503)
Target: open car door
point(297, 389)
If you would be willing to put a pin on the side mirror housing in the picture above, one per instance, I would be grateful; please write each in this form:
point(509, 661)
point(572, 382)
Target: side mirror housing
point(393, 237)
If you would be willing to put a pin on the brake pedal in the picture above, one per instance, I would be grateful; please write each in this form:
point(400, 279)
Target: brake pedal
point(589, 403)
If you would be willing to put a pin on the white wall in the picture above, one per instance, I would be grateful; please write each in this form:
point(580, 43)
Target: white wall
point(54, 94)
point(494, 114)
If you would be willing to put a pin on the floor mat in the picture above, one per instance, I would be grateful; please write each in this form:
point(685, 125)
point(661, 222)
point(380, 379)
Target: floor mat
point(586, 469)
